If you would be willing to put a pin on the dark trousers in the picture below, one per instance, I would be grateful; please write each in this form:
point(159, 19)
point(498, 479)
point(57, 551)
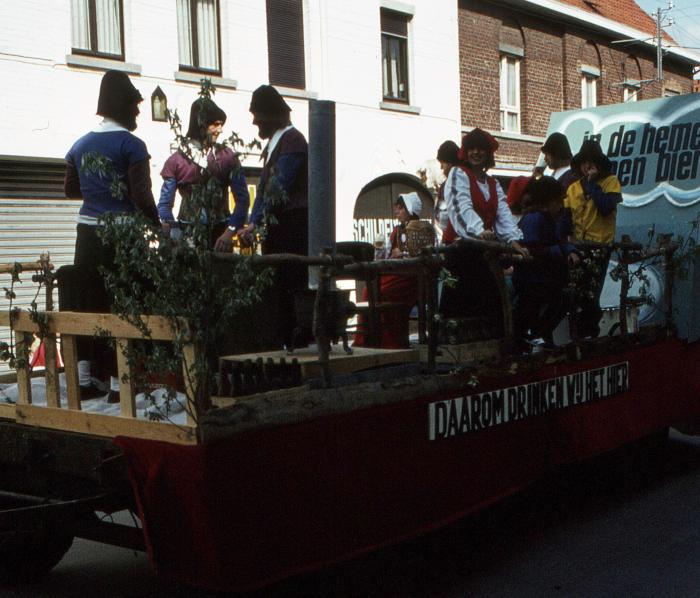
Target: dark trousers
point(538, 308)
point(81, 288)
point(289, 235)
point(588, 298)
point(475, 293)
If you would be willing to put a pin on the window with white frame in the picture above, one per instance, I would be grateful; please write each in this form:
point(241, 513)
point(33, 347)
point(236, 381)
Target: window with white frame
point(630, 92)
point(510, 93)
point(198, 35)
point(96, 27)
point(589, 90)
point(394, 55)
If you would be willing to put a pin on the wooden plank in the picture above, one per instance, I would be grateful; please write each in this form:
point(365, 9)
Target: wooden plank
point(340, 363)
point(99, 424)
point(127, 396)
point(479, 351)
point(53, 389)
point(87, 324)
point(70, 361)
point(7, 411)
point(24, 383)
point(26, 266)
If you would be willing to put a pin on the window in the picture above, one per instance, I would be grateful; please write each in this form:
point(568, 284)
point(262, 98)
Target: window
point(394, 55)
point(630, 92)
point(97, 27)
point(285, 43)
point(589, 91)
point(198, 35)
point(510, 93)
point(669, 93)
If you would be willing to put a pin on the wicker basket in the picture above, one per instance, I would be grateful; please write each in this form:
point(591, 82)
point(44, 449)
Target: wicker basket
point(419, 234)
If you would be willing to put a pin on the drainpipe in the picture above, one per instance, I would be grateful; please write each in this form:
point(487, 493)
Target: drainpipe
point(321, 180)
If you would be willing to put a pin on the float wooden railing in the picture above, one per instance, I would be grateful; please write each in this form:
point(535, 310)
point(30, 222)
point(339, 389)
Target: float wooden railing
point(70, 325)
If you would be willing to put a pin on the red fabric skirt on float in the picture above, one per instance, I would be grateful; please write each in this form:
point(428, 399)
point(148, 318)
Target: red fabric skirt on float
point(265, 504)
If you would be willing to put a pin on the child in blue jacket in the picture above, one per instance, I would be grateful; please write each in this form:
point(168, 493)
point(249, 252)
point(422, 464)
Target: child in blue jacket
point(539, 283)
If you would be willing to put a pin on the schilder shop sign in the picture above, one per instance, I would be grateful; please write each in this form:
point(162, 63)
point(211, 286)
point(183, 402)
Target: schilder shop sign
point(475, 412)
point(654, 145)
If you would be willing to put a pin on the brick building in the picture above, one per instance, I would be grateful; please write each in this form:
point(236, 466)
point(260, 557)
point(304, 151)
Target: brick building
point(520, 60)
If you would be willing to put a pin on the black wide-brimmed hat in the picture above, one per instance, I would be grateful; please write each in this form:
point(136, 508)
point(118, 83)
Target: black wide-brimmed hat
point(267, 100)
point(541, 192)
point(591, 152)
point(203, 112)
point(447, 152)
point(557, 145)
point(117, 95)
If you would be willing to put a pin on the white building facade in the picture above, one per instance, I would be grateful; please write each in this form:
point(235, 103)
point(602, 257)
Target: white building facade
point(391, 68)
point(53, 54)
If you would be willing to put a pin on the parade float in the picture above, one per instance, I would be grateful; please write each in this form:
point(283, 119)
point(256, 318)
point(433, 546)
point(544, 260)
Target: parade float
point(296, 461)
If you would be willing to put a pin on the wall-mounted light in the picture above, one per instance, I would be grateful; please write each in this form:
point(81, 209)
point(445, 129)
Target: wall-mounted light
point(159, 105)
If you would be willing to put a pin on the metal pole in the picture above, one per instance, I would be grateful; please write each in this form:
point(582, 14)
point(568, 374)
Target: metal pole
point(321, 180)
point(659, 51)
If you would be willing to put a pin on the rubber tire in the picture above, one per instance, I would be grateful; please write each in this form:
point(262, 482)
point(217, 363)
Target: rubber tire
point(26, 554)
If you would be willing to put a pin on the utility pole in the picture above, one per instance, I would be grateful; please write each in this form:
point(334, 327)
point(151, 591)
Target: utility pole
point(659, 17)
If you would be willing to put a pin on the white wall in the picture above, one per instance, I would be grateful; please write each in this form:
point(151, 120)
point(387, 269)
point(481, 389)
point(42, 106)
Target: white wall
point(46, 105)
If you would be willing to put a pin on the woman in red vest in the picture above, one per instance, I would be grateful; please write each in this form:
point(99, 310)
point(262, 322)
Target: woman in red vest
point(477, 208)
point(476, 204)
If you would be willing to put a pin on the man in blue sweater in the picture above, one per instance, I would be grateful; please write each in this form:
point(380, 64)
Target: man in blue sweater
point(127, 161)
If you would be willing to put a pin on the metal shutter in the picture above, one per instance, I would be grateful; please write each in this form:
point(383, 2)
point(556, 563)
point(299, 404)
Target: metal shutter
point(285, 43)
point(395, 23)
point(29, 227)
point(22, 176)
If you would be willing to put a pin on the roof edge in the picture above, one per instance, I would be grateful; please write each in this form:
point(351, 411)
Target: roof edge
point(608, 25)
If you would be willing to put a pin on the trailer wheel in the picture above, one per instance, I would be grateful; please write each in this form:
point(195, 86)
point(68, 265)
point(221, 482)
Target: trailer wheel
point(34, 552)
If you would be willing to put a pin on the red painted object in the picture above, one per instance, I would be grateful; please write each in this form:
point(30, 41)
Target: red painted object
point(270, 503)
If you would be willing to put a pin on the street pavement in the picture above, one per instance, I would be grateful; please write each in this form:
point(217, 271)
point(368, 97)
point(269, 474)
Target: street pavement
point(625, 524)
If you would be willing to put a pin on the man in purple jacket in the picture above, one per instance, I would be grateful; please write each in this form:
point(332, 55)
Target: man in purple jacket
point(280, 211)
point(194, 165)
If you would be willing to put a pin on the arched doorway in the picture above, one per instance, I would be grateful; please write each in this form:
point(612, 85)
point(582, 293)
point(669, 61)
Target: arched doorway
point(373, 216)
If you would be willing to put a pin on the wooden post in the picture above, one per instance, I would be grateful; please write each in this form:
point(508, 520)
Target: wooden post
point(624, 290)
point(321, 322)
point(23, 341)
point(53, 389)
point(432, 312)
point(127, 400)
point(422, 283)
point(188, 362)
point(70, 361)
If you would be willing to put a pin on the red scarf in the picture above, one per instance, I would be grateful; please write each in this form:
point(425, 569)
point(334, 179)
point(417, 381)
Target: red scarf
point(486, 210)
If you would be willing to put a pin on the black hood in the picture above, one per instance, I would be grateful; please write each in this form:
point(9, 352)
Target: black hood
point(117, 98)
point(203, 113)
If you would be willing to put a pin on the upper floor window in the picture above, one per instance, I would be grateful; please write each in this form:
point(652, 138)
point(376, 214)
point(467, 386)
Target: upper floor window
point(285, 43)
point(198, 35)
point(589, 86)
point(394, 55)
point(97, 27)
point(510, 93)
point(630, 92)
